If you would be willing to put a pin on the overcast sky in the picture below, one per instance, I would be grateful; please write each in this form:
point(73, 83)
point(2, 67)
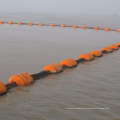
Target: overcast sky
point(95, 7)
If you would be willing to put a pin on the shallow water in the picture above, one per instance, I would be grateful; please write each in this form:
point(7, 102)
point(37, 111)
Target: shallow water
point(93, 84)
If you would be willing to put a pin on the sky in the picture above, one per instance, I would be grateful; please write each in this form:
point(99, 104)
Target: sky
point(92, 7)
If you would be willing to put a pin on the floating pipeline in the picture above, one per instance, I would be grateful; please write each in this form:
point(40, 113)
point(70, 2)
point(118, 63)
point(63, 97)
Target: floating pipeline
point(25, 79)
point(60, 25)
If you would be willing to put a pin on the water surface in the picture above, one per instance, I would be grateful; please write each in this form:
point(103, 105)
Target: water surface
point(93, 84)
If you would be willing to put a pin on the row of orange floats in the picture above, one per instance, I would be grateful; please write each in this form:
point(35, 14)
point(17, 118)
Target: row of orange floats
point(55, 67)
point(61, 25)
point(25, 79)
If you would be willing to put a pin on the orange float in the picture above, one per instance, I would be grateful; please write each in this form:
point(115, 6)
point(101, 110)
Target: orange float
point(3, 88)
point(118, 44)
point(10, 23)
point(62, 25)
point(96, 53)
point(52, 25)
point(107, 49)
point(83, 27)
point(30, 24)
point(23, 79)
point(53, 68)
point(74, 26)
point(86, 56)
point(40, 24)
point(68, 62)
point(107, 29)
point(19, 23)
point(1, 22)
point(118, 30)
point(96, 28)
point(114, 47)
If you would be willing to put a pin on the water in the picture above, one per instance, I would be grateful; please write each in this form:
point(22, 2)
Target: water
point(93, 84)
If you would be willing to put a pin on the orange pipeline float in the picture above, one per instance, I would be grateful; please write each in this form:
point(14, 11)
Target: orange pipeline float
point(118, 44)
point(3, 88)
point(68, 62)
point(107, 29)
point(114, 47)
point(118, 30)
point(75, 26)
point(86, 56)
point(83, 27)
point(106, 49)
point(62, 25)
point(25, 79)
point(96, 28)
point(53, 68)
point(1, 22)
point(9, 23)
point(96, 53)
point(51, 25)
point(19, 23)
point(30, 24)
point(41, 24)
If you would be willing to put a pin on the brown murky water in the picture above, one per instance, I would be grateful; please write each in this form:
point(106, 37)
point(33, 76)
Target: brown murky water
point(85, 89)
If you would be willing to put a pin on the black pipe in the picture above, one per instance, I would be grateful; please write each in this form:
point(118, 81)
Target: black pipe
point(10, 85)
point(80, 60)
point(104, 51)
point(40, 75)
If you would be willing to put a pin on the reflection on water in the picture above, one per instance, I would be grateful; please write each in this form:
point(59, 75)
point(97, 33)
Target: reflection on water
point(93, 84)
